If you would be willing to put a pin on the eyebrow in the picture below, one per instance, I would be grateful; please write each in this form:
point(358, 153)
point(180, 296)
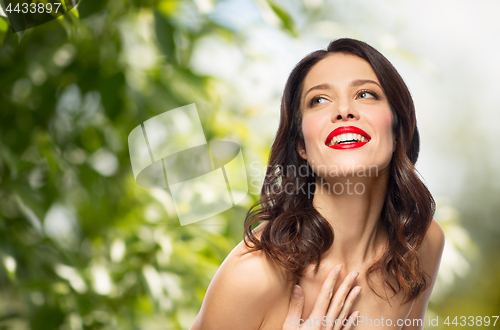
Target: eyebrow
point(354, 83)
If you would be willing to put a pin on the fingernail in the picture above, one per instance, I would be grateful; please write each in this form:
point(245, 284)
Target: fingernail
point(357, 290)
point(338, 269)
point(356, 314)
point(354, 275)
point(297, 292)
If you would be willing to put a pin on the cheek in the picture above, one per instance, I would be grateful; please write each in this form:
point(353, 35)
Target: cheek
point(387, 124)
point(383, 123)
point(309, 129)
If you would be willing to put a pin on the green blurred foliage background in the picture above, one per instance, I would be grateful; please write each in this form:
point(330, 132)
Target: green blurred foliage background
point(82, 246)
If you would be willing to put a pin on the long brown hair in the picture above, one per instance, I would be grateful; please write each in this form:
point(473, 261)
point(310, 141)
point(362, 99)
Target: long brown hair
point(297, 235)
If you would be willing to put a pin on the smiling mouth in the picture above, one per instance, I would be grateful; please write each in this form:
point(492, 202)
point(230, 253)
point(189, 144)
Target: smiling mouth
point(347, 137)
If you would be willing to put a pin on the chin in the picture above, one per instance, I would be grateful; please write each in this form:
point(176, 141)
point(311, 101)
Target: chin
point(347, 170)
point(351, 169)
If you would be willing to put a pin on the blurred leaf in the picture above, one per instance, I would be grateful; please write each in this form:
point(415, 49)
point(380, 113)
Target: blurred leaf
point(285, 18)
point(165, 35)
point(20, 35)
point(47, 317)
point(4, 28)
point(167, 7)
point(88, 8)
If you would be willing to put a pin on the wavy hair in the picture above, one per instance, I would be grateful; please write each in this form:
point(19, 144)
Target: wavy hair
point(297, 234)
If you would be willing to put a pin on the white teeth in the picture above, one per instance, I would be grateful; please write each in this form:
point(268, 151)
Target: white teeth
point(347, 137)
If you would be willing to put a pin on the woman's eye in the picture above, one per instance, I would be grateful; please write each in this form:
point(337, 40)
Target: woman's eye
point(318, 100)
point(367, 95)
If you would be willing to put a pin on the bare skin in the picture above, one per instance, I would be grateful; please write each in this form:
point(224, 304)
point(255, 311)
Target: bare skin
point(249, 291)
point(331, 308)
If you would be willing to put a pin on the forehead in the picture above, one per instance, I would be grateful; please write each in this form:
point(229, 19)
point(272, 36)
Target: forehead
point(339, 69)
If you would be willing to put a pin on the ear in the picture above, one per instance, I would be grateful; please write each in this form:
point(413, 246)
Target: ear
point(301, 150)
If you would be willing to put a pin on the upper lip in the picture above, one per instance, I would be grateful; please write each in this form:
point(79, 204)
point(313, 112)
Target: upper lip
point(345, 130)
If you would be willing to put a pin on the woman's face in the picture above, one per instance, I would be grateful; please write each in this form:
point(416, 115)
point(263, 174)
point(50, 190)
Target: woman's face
point(346, 119)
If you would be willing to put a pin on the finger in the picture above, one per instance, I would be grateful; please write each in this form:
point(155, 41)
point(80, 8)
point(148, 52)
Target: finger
point(352, 321)
point(353, 295)
point(325, 294)
point(340, 296)
point(294, 309)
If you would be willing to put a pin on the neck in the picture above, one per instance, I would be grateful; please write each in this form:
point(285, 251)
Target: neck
point(354, 214)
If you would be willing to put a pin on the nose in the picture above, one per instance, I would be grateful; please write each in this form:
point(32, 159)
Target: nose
point(344, 111)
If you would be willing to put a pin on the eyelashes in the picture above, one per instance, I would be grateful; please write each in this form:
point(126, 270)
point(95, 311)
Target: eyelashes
point(314, 100)
point(367, 91)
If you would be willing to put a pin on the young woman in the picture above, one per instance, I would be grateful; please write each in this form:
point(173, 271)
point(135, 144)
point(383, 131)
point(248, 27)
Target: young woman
point(346, 222)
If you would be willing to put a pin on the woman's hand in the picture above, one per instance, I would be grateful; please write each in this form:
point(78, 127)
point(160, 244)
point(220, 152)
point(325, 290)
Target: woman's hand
point(330, 310)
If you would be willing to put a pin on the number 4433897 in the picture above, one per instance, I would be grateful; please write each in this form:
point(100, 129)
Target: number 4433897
point(34, 8)
point(472, 321)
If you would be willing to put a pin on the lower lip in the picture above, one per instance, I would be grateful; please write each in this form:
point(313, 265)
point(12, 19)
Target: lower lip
point(351, 145)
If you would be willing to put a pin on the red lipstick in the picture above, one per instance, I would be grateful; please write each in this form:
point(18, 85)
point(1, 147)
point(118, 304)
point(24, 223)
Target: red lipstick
point(347, 137)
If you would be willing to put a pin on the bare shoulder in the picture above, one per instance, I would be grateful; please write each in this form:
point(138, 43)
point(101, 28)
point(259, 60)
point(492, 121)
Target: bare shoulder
point(432, 247)
point(243, 289)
